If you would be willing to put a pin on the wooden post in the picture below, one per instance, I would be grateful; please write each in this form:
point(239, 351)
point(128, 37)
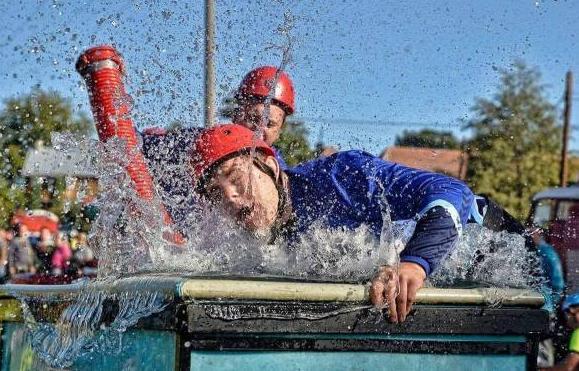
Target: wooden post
point(566, 127)
point(209, 63)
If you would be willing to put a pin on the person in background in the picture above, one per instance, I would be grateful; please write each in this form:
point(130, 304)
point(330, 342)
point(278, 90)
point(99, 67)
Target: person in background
point(83, 258)
point(552, 290)
point(21, 256)
point(62, 255)
point(3, 254)
point(570, 308)
point(553, 269)
point(44, 249)
point(263, 85)
point(73, 240)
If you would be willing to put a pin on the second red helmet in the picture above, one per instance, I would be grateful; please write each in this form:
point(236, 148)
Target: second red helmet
point(260, 83)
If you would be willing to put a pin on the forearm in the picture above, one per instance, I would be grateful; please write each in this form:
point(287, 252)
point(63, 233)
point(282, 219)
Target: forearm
point(434, 238)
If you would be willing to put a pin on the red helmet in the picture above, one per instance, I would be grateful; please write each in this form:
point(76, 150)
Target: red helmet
point(258, 83)
point(215, 143)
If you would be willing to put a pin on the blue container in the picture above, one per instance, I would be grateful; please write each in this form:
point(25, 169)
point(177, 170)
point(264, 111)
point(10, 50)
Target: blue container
point(288, 335)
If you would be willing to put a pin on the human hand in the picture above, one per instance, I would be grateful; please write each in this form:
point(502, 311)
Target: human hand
point(396, 290)
point(384, 289)
point(411, 277)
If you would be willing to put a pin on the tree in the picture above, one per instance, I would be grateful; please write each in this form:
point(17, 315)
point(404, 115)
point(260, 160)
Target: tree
point(25, 121)
point(293, 143)
point(516, 141)
point(428, 138)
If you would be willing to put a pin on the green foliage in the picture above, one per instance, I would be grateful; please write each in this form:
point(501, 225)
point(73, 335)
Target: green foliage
point(573, 163)
point(24, 121)
point(428, 138)
point(293, 143)
point(10, 198)
point(515, 147)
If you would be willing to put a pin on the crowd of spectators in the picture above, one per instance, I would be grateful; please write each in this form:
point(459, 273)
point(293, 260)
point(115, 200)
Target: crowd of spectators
point(56, 256)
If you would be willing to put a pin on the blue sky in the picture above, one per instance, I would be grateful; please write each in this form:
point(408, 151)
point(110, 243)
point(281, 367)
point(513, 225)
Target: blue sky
point(364, 70)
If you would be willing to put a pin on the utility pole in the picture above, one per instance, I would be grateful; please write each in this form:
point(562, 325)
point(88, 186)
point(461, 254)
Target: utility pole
point(566, 127)
point(209, 63)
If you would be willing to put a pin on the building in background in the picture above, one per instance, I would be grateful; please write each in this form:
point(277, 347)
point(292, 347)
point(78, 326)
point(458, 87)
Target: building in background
point(43, 166)
point(447, 161)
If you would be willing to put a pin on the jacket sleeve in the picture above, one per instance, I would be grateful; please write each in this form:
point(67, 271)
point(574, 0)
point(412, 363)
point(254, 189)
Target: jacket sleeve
point(434, 238)
point(440, 204)
point(412, 192)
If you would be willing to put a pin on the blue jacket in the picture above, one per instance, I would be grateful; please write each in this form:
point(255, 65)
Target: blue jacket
point(351, 188)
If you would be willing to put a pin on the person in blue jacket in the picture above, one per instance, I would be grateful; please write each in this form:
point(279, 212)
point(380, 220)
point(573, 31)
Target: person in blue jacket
point(344, 190)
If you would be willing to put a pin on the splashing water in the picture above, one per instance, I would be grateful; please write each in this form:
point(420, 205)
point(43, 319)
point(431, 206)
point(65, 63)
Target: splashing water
point(498, 259)
point(393, 237)
point(127, 235)
point(128, 239)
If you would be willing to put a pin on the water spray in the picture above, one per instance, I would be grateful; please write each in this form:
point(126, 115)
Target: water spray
point(103, 69)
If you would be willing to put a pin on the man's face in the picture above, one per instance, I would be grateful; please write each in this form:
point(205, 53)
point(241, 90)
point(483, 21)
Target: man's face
point(252, 116)
point(245, 192)
point(573, 317)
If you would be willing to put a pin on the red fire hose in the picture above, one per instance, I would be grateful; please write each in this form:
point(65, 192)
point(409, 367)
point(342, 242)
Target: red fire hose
point(103, 68)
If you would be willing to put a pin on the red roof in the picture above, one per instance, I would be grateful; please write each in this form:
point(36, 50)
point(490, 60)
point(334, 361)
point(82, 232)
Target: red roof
point(448, 161)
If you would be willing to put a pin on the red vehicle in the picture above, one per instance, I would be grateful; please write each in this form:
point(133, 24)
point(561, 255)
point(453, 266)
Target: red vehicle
point(557, 211)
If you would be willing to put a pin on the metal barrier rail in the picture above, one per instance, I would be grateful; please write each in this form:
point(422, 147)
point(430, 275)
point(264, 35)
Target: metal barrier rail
point(247, 289)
